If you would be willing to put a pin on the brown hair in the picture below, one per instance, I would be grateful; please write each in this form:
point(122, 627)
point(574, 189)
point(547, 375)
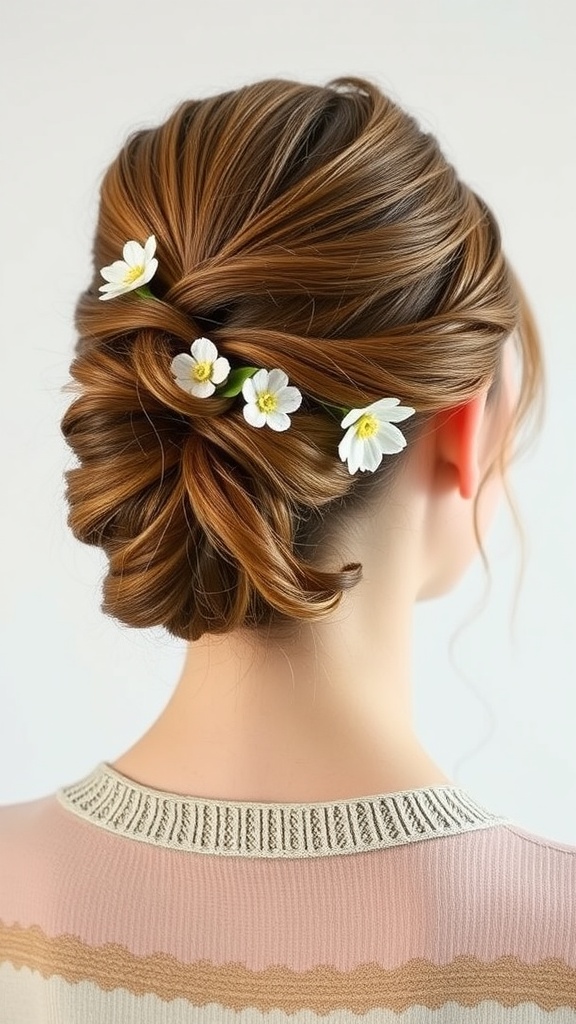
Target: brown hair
point(313, 228)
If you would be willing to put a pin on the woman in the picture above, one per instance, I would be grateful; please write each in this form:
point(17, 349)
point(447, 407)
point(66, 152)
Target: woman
point(297, 397)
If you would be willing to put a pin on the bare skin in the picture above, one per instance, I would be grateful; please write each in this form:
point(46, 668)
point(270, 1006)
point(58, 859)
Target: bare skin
point(329, 717)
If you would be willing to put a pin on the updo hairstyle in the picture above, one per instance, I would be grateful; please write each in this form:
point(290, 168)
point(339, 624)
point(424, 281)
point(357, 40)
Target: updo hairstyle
point(313, 228)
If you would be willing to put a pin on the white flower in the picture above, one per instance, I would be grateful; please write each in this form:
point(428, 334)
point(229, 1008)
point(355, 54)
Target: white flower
point(268, 399)
point(371, 434)
point(199, 373)
point(135, 270)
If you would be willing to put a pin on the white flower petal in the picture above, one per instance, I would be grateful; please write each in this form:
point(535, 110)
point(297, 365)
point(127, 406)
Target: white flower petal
point(248, 390)
point(254, 415)
point(289, 399)
point(202, 388)
point(278, 420)
point(133, 254)
point(111, 287)
point(381, 404)
point(356, 454)
point(204, 350)
point(185, 383)
point(149, 247)
point(399, 412)
point(372, 454)
point(395, 415)
point(276, 379)
point(220, 369)
point(116, 272)
point(345, 445)
point(150, 270)
point(390, 439)
point(182, 365)
point(351, 417)
point(113, 290)
point(260, 380)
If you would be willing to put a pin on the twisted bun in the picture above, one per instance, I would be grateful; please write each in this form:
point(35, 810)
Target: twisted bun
point(312, 228)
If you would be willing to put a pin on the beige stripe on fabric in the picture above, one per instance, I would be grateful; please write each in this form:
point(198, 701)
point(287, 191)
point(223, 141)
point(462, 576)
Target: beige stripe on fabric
point(25, 991)
point(468, 981)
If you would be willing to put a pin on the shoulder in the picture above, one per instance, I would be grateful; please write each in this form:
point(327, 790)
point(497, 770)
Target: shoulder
point(27, 831)
point(19, 821)
point(523, 880)
point(522, 837)
point(508, 854)
point(41, 847)
point(46, 860)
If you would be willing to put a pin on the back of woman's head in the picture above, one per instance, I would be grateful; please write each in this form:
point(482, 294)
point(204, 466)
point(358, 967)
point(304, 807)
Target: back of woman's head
point(315, 229)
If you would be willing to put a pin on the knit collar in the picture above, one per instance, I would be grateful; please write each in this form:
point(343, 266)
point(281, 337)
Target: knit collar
point(112, 801)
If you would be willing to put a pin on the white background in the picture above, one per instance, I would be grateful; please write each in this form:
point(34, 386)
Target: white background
point(495, 81)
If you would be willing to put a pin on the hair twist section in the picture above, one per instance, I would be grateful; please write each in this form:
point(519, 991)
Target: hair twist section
point(196, 514)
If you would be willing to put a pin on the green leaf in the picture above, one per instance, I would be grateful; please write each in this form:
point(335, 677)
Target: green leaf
point(235, 381)
point(145, 292)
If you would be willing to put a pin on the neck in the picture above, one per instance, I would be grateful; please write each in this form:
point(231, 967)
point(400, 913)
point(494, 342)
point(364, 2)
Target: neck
point(326, 718)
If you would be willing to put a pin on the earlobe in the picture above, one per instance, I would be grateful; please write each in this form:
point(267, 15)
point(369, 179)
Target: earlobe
point(458, 438)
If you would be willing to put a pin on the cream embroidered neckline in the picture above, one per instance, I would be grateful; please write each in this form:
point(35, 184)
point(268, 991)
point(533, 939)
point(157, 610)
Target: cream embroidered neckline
point(112, 801)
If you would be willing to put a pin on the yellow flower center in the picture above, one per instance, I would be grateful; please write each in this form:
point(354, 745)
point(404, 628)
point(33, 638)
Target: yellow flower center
point(367, 425)
point(266, 402)
point(202, 371)
point(132, 274)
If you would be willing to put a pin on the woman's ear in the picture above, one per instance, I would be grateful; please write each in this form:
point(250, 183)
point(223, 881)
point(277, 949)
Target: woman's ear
point(458, 440)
